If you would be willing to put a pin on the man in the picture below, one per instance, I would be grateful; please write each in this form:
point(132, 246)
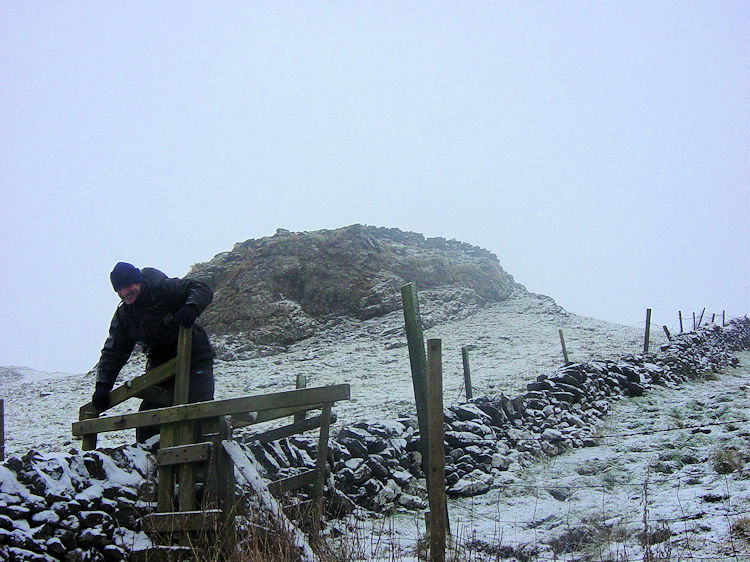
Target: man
point(152, 309)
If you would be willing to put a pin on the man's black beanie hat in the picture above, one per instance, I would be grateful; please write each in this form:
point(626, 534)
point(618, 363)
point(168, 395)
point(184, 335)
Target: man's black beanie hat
point(125, 274)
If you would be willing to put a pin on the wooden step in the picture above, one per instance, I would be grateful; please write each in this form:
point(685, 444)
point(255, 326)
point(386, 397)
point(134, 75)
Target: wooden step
point(180, 521)
point(182, 454)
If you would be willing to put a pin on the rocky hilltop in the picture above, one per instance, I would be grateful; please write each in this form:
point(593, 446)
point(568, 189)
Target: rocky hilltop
point(280, 289)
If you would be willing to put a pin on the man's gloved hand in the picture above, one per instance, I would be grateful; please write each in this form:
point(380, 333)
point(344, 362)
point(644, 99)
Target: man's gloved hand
point(100, 399)
point(186, 315)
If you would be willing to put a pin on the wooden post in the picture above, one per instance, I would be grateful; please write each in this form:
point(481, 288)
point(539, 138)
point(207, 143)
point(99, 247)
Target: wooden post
point(564, 349)
point(694, 326)
point(226, 488)
point(713, 318)
point(320, 467)
point(723, 317)
point(301, 383)
point(467, 372)
point(436, 474)
point(182, 377)
point(418, 362)
point(681, 328)
point(648, 330)
point(701, 318)
point(178, 434)
point(666, 331)
point(2, 429)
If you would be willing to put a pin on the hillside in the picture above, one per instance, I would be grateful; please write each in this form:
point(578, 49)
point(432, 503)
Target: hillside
point(559, 476)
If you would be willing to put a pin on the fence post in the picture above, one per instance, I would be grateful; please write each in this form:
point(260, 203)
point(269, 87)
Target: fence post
point(648, 330)
point(436, 474)
point(694, 326)
point(564, 349)
point(666, 331)
point(418, 362)
point(723, 318)
point(301, 383)
point(701, 318)
point(467, 372)
point(681, 328)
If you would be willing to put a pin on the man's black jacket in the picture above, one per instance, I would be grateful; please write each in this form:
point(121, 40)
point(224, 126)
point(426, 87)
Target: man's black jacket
point(150, 320)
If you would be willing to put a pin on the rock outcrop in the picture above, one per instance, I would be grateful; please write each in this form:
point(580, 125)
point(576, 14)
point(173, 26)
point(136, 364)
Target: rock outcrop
point(276, 290)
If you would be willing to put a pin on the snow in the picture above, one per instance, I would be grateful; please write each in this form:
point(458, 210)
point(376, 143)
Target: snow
point(656, 454)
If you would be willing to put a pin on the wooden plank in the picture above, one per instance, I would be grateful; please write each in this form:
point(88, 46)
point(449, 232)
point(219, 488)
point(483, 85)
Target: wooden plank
point(186, 496)
point(249, 471)
point(227, 484)
point(214, 408)
point(182, 521)
point(180, 454)
point(436, 475)
point(279, 487)
point(165, 490)
point(210, 433)
point(130, 389)
point(291, 429)
point(250, 418)
point(134, 387)
point(182, 366)
point(320, 468)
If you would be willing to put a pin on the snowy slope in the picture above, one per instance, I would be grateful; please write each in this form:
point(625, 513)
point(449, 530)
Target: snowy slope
point(512, 342)
point(658, 458)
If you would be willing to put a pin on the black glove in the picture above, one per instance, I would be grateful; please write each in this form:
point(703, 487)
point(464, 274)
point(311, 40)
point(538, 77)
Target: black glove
point(186, 315)
point(100, 399)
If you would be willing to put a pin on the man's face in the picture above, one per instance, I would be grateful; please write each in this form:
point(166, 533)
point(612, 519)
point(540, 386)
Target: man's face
point(129, 293)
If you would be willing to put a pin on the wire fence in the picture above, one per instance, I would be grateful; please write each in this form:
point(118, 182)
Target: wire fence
point(511, 374)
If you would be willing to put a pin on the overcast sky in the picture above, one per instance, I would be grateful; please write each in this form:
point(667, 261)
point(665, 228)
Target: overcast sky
point(599, 149)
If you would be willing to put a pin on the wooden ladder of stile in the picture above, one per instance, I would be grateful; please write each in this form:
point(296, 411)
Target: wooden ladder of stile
point(186, 448)
point(196, 440)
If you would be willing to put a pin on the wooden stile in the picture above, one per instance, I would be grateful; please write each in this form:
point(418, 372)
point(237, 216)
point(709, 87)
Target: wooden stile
point(195, 436)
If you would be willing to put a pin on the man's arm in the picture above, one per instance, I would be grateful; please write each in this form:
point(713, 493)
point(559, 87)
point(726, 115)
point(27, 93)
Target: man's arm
point(115, 353)
point(182, 292)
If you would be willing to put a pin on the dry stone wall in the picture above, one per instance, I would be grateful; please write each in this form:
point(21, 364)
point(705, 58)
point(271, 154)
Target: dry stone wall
point(377, 466)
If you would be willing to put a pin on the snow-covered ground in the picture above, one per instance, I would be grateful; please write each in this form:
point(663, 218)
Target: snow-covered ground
point(667, 461)
point(586, 502)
